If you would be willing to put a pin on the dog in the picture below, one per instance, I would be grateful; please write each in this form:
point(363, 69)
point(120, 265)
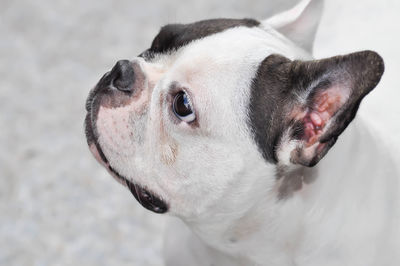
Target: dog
point(231, 126)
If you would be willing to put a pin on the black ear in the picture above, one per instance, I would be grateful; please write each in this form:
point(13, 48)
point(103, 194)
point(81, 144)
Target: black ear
point(299, 108)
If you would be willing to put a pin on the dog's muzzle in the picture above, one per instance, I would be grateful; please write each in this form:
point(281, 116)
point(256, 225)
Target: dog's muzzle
point(116, 88)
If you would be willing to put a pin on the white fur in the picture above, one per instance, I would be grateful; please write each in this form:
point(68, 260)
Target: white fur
point(300, 23)
point(222, 189)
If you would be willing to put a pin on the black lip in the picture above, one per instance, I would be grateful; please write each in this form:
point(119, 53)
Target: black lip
point(147, 199)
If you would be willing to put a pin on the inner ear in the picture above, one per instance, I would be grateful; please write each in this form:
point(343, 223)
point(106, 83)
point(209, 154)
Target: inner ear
point(327, 96)
point(298, 109)
point(322, 106)
point(313, 118)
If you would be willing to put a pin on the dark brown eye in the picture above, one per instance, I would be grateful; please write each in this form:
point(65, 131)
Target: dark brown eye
point(182, 107)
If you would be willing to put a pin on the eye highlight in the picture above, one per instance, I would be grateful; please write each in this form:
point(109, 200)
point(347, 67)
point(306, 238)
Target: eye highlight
point(182, 107)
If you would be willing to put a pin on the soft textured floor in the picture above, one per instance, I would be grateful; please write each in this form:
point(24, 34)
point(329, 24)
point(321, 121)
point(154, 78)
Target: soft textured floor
point(57, 205)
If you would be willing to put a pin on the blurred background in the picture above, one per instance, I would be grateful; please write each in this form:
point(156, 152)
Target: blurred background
point(57, 205)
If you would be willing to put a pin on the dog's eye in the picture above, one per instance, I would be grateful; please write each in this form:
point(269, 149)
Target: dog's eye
point(182, 107)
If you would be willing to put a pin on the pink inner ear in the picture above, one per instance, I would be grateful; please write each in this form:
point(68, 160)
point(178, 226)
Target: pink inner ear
point(326, 104)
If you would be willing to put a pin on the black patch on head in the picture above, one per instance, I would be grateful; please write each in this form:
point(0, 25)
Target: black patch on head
point(174, 36)
point(275, 94)
point(269, 92)
point(276, 108)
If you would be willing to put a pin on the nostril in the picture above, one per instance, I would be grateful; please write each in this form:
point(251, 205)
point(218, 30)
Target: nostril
point(122, 76)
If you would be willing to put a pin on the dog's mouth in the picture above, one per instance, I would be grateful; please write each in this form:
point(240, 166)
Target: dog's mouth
point(146, 198)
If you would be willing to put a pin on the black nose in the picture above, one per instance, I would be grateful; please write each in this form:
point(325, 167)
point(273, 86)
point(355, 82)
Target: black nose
point(122, 76)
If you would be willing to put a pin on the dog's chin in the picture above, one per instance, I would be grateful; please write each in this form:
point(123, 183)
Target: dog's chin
point(146, 198)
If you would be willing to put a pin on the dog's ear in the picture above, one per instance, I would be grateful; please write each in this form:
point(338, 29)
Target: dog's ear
point(299, 108)
point(300, 23)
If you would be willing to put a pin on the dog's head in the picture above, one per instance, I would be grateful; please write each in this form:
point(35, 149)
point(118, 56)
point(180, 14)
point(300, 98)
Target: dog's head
point(213, 105)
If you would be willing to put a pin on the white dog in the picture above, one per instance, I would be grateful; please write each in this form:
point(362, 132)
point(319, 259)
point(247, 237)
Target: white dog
point(231, 126)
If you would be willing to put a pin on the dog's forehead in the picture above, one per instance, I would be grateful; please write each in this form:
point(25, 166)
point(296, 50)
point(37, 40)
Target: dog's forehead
point(190, 50)
point(225, 44)
point(221, 63)
point(216, 58)
point(174, 36)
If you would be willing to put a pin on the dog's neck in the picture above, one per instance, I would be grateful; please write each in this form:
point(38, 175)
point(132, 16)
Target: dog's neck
point(251, 221)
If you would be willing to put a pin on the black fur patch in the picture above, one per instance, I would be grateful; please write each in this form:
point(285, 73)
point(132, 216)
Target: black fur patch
point(174, 36)
point(279, 81)
point(269, 93)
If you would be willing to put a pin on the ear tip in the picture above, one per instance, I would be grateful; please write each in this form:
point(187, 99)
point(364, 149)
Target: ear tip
point(375, 61)
point(373, 65)
point(378, 65)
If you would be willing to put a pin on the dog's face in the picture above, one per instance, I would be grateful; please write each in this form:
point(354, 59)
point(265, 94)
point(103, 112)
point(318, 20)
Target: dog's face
point(214, 105)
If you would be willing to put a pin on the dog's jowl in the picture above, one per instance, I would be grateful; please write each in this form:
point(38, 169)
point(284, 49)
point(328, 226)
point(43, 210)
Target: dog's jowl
point(231, 126)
